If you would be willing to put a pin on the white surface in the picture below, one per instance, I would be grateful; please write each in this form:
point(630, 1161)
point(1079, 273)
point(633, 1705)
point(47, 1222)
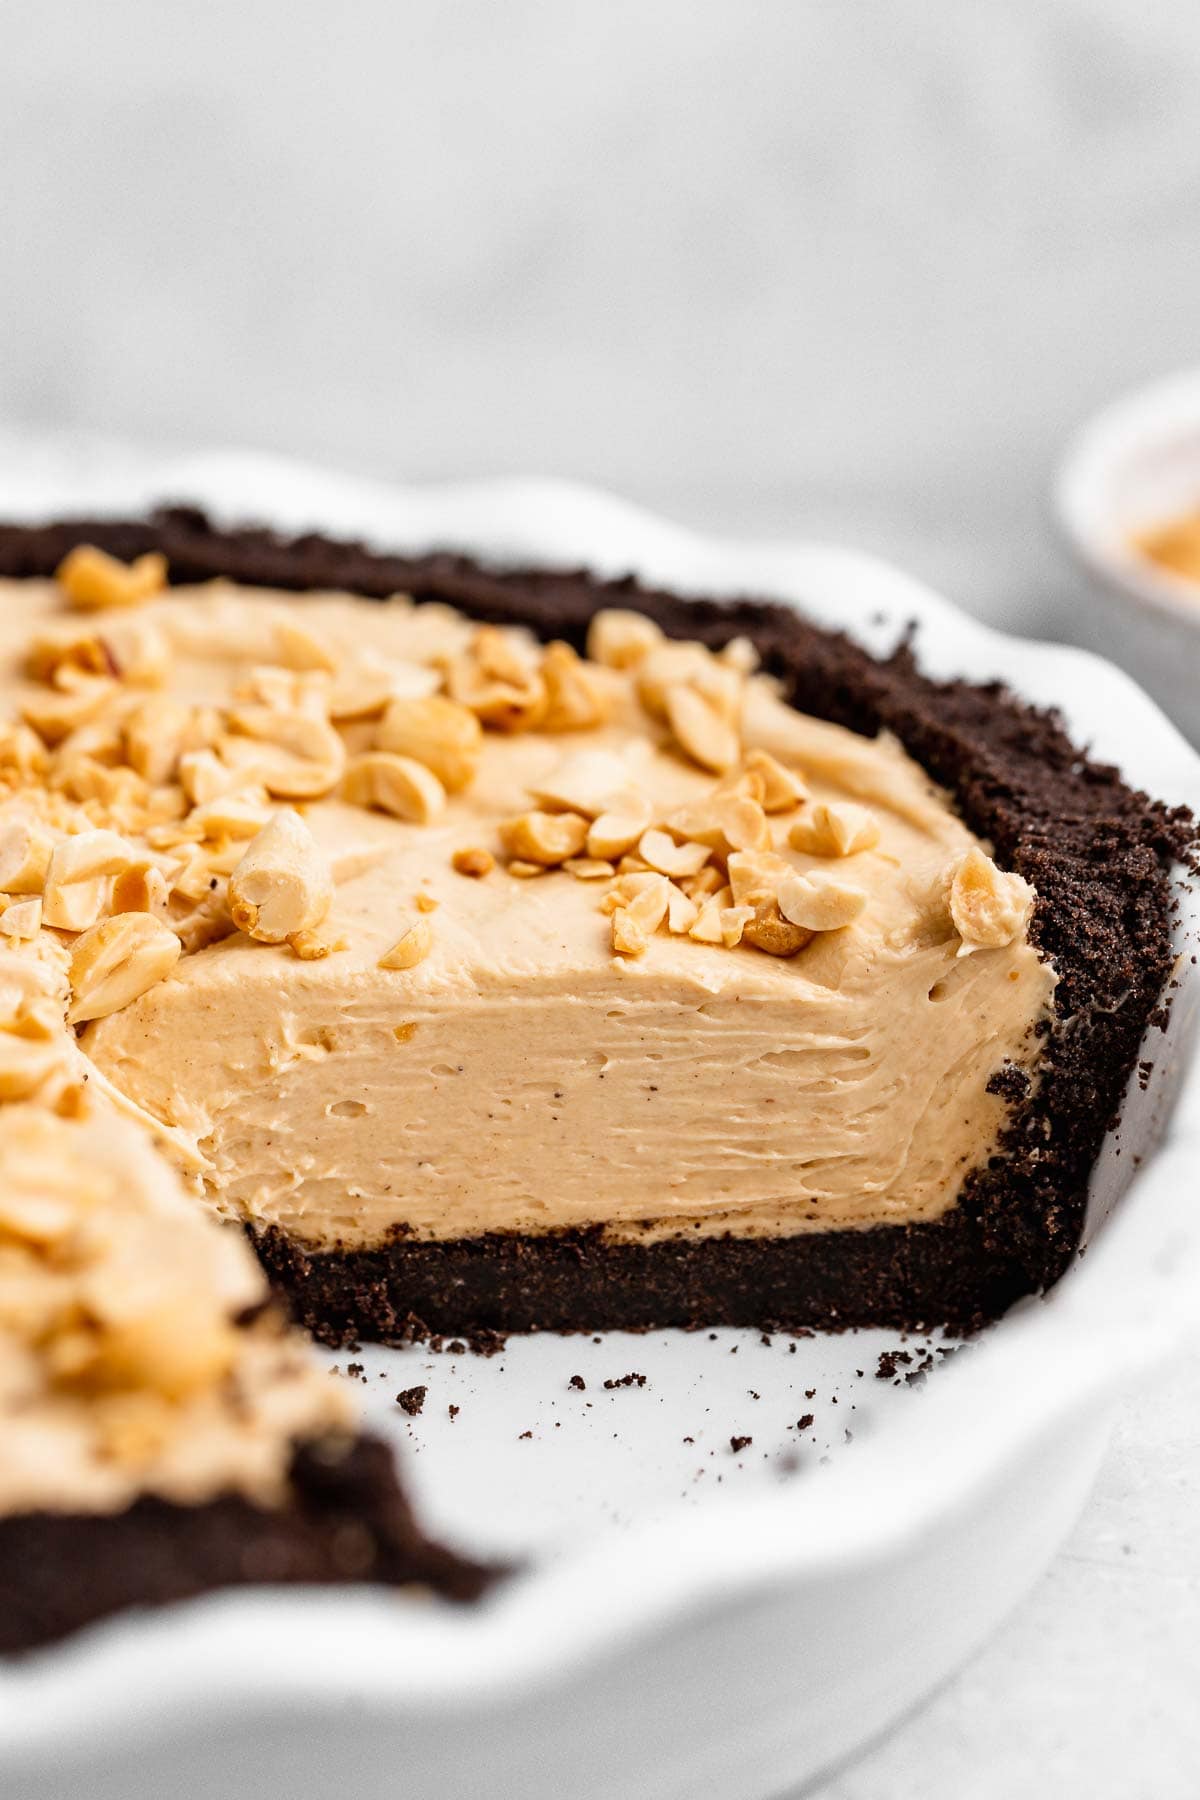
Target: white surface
point(813, 269)
point(977, 1490)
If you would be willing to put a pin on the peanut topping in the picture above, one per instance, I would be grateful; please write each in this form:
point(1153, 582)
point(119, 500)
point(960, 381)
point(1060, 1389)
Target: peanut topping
point(22, 919)
point(620, 639)
point(443, 735)
point(282, 884)
point(296, 755)
point(314, 946)
point(92, 580)
point(819, 902)
point(756, 871)
point(410, 949)
point(474, 862)
point(674, 664)
point(395, 784)
point(155, 734)
point(618, 829)
point(586, 781)
point(588, 868)
point(141, 889)
point(495, 682)
point(682, 911)
point(24, 857)
point(782, 788)
point(576, 698)
point(56, 713)
point(659, 849)
point(835, 830)
point(700, 730)
point(644, 911)
point(91, 854)
point(545, 838)
point(628, 937)
point(727, 820)
point(989, 907)
point(117, 961)
point(74, 905)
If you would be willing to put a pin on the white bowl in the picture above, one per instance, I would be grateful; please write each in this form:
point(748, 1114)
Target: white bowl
point(1136, 465)
point(672, 1636)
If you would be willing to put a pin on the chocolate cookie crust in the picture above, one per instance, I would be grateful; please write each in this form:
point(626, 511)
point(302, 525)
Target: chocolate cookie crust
point(1098, 852)
point(347, 1522)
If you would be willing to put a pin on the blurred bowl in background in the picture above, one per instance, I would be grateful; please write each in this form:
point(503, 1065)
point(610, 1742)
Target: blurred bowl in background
point(1134, 467)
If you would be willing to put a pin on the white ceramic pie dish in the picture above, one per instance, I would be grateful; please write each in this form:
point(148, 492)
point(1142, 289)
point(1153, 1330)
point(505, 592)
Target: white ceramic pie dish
point(1133, 466)
point(730, 1633)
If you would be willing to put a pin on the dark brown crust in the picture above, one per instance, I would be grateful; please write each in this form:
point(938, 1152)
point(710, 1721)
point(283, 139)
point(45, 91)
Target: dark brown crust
point(1097, 851)
point(347, 1521)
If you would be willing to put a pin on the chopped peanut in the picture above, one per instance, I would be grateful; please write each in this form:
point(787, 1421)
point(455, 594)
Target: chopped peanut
point(700, 730)
point(827, 830)
point(682, 911)
point(90, 854)
point(659, 849)
point(22, 919)
point(620, 639)
point(989, 907)
point(782, 788)
point(588, 868)
point(55, 713)
point(282, 884)
point(495, 682)
point(586, 781)
point(395, 784)
point(443, 735)
point(474, 862)
point(628, 937)
point(295, 755)
point(618, 829)
point(734, 920)
point(117, 961)
point(410, 949)
point(542, 837)
point(24, 857)
point(92, 580)
point(314, 946)
point(819, 902)
point(154, 736)
point(576, 698)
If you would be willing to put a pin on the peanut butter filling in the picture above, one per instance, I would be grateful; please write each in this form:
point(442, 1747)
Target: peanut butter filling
point(471, 934)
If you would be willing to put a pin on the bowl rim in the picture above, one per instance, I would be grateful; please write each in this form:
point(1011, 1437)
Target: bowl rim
point(1121, 1313)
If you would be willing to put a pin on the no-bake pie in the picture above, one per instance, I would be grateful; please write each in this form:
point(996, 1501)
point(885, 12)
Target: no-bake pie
point(494, 951)
point(516, 950)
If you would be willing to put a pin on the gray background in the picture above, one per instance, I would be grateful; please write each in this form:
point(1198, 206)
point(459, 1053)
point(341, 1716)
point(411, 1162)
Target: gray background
point(781, 265)
point(828, 266)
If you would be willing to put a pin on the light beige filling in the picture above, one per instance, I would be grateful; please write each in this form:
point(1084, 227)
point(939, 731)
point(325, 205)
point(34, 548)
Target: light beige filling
point(521, 1076)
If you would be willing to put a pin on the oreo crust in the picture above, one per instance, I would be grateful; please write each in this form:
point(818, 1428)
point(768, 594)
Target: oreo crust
point(346, 1520)
point(1098, 852)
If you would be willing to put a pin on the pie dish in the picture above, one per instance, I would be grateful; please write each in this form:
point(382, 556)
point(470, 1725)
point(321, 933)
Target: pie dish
point(811, 1548)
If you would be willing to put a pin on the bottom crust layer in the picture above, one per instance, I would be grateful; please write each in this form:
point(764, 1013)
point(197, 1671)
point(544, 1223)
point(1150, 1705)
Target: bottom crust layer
point(347, 1522)
point(908, 1277)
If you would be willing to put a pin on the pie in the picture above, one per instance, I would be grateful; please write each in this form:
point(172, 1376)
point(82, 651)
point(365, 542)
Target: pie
point(507, 950)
